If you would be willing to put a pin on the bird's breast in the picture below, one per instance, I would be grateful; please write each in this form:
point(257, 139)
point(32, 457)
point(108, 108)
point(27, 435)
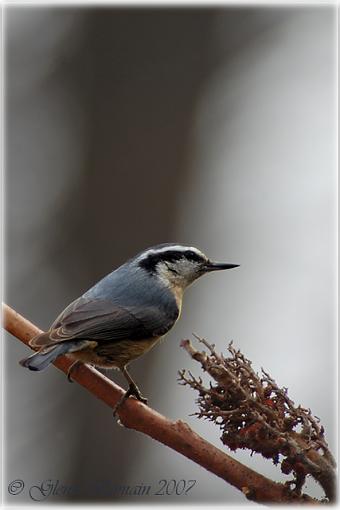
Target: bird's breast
point(178, 294)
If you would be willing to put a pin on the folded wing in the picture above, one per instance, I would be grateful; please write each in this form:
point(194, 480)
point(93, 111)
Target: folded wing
point(103, 321)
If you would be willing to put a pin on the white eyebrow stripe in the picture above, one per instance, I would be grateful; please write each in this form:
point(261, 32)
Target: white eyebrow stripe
point(164, 249)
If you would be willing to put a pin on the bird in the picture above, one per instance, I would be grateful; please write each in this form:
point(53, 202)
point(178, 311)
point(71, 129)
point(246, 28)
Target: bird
point(124, 314)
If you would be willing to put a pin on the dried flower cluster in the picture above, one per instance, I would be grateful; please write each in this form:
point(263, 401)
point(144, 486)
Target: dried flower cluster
point(254, 413)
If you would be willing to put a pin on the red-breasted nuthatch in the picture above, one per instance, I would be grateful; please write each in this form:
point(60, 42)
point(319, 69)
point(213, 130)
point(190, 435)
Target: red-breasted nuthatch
point(126, 313)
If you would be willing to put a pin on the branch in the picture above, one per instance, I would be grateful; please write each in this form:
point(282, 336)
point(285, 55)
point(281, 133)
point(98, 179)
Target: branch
point(176, 435)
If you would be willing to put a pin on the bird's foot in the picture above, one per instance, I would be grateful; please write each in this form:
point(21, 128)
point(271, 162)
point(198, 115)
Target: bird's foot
point(132, 391)
point(71, 369)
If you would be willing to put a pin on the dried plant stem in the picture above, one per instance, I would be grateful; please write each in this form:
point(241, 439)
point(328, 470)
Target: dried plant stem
point(176, 435)
point(254, 413)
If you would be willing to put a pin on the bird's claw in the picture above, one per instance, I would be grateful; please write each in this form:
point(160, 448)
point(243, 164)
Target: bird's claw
point(132, 391)
point(71, 369)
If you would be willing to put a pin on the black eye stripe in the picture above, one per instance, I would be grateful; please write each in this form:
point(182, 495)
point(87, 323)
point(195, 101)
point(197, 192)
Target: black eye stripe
point(151, 261)
point(195, 257)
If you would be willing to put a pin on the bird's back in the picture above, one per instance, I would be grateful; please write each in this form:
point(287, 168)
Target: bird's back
point(128, 286)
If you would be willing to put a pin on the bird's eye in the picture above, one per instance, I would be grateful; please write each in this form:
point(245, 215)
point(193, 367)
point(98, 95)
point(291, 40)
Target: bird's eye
point(194, 257)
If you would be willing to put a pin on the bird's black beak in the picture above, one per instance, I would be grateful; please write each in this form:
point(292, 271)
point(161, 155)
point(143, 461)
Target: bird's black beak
point(218, 266)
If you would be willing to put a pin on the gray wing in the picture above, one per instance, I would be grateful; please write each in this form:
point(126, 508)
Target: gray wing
point(103, 321)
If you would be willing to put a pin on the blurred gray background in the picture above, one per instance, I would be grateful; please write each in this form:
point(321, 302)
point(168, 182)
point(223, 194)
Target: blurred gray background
point(130, 127)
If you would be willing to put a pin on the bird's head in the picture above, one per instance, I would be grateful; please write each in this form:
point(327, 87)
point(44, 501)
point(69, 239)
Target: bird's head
point(176, 265)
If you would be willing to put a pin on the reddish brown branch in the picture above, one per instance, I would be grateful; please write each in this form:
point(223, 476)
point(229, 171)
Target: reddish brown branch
point(176, 435)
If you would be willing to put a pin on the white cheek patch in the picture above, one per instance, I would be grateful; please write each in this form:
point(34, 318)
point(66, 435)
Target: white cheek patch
point(165, 275)
point(183, 267)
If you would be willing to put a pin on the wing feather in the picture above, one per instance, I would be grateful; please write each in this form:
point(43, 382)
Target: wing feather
point(104, 321)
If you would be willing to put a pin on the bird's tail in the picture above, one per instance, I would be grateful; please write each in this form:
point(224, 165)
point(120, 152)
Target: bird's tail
point(41, 359)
